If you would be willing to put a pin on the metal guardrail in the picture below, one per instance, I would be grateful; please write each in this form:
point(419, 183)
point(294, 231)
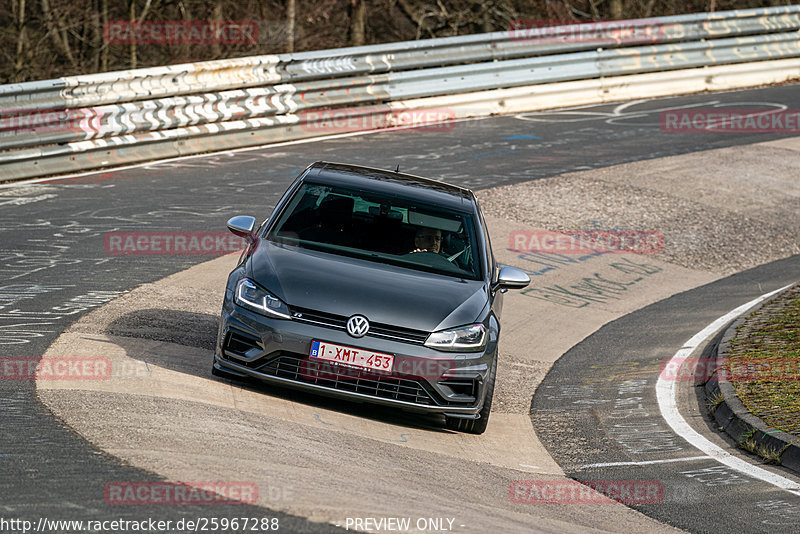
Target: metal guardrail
point(111, 111)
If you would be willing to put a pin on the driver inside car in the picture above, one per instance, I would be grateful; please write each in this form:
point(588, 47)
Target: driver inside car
point(428, 240)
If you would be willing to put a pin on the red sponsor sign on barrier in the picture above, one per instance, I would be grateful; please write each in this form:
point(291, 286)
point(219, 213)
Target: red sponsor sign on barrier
point(587, 241)
point(55, 368)
point(168, 243)
point(170, 32)
point(180, 493)
point(715, 120)
point(575, 31)
point(586, 491)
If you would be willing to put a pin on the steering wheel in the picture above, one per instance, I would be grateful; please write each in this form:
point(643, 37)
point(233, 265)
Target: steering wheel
point(432, 258)
point(458, 254)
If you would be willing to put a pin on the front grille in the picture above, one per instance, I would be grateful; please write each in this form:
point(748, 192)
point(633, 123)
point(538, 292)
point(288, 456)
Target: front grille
point(329, 320)
point(334, 376)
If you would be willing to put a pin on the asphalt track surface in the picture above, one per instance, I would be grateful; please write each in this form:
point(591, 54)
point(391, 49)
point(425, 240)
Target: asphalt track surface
point(54, 268)
point(597, 406)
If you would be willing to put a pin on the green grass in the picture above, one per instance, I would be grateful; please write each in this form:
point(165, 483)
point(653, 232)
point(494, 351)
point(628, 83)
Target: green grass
point(714, 401)
point(751, 444)
point(764, 363)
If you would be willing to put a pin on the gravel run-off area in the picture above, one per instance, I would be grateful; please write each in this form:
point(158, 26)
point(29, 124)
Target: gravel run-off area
point(722, 211)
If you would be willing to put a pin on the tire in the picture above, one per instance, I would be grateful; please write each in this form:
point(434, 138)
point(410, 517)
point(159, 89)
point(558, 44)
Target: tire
point(476, 426)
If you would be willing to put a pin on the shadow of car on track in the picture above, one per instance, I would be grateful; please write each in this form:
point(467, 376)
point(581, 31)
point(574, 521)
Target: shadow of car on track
point(199, 330)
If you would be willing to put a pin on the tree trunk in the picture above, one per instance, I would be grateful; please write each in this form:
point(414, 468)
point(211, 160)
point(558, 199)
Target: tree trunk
point(58, 37)
point(104, 22)
point(216, 49)
point(486, 18)
point(132, 46)
point(414, 13)
point(136, 22)
point(19, 60)
point(94, 37)
point(290, 22)
point(183, 49)
point(616, 9)
point(358, 16)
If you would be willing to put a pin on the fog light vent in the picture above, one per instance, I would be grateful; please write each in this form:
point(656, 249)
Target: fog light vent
point(462, 390)
point(242, 345)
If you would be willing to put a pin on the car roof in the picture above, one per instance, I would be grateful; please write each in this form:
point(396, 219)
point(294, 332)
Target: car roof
point(397, 183)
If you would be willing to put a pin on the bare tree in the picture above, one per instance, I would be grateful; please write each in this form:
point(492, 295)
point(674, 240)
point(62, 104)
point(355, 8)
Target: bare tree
point(358, 21)
point(47, 38)
point(132, 46)
point(21, 29)
point(104, 21)
point(615, 9)
point(291, 10)
point(57, 32)
point(216, 49)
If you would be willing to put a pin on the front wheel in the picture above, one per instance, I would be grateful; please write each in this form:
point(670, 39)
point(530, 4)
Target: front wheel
point(476, 426)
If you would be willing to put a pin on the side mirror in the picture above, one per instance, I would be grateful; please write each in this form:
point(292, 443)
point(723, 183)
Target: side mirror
point(512, 278)
point(242, 225)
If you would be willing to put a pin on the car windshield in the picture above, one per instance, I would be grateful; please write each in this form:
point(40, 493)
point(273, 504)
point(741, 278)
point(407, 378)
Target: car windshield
point(382, 228)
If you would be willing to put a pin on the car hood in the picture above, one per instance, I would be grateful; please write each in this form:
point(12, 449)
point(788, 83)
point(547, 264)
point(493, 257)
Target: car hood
point(383, 293)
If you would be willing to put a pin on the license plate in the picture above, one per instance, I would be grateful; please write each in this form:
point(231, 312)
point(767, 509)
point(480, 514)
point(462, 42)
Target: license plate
point(377, 361)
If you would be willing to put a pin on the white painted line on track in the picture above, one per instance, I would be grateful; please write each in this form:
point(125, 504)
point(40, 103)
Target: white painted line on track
point(234, 151)
point(665, 393)
point(647, 462)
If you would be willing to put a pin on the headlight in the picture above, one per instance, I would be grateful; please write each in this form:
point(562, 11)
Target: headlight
point(249, 295)
point(472, 337)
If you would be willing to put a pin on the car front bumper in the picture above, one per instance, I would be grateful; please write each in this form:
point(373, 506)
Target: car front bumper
point(276, 351)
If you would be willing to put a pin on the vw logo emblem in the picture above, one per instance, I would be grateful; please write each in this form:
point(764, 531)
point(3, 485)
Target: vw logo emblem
point(357, 326)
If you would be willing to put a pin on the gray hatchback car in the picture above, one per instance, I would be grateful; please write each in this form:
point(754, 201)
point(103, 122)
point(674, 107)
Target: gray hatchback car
point(373, 286)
